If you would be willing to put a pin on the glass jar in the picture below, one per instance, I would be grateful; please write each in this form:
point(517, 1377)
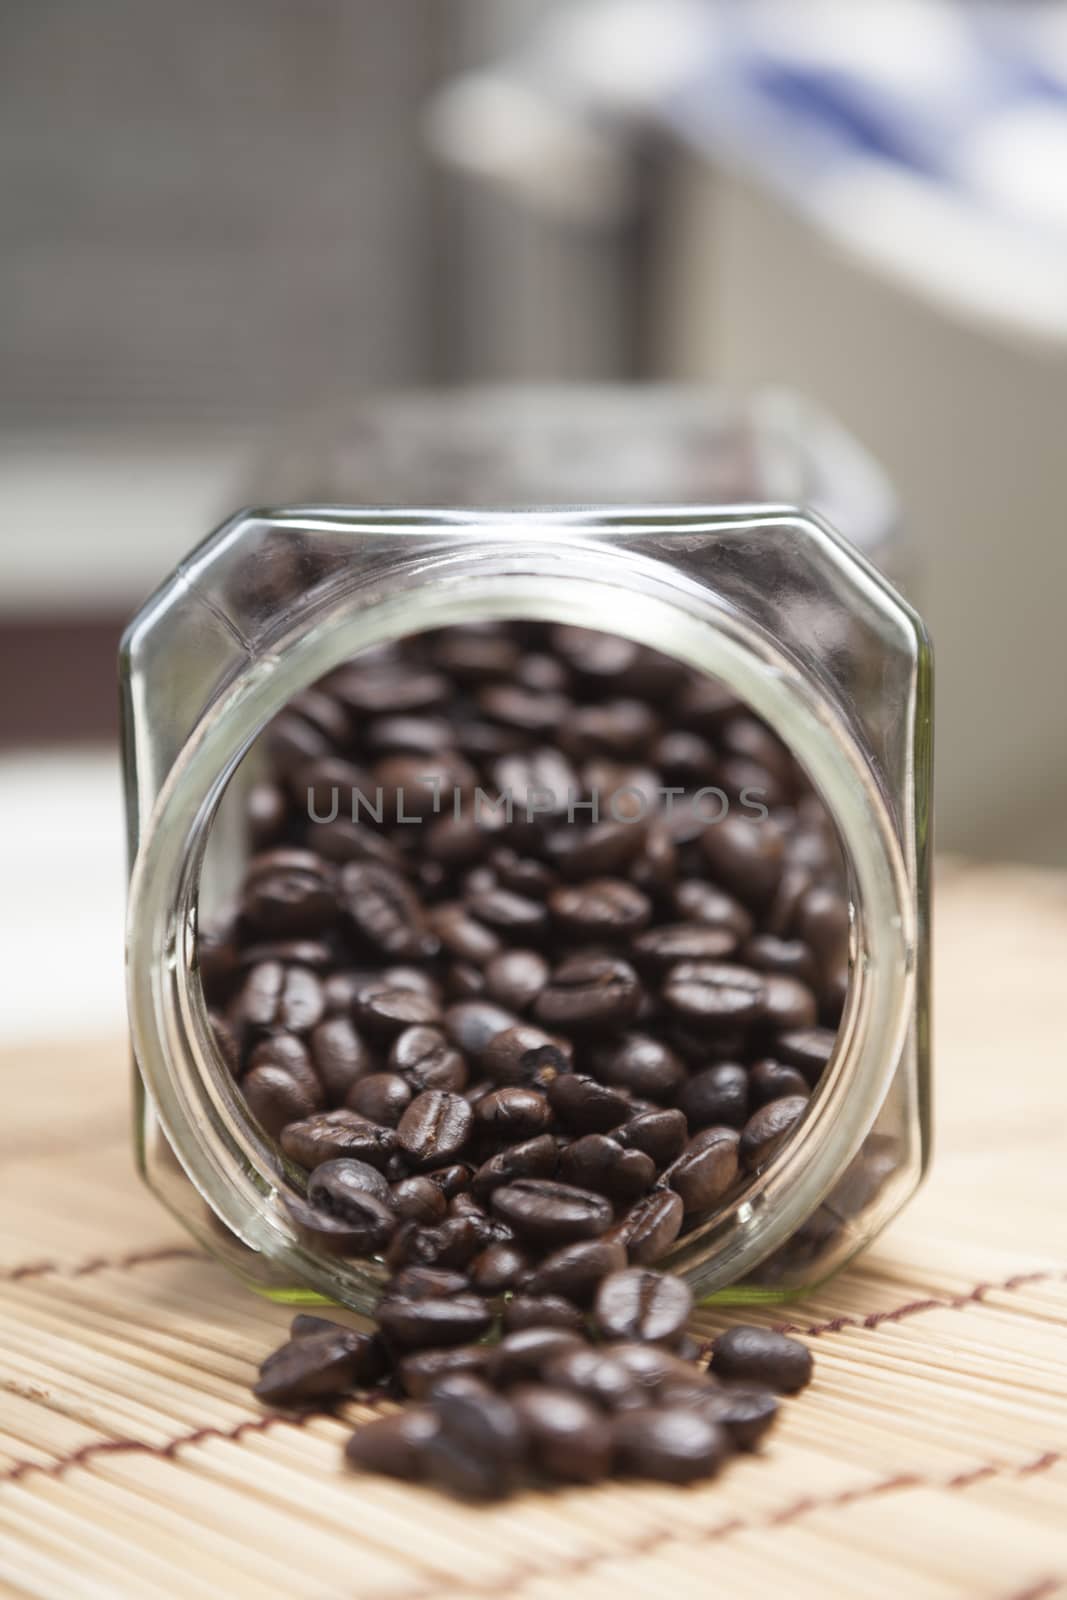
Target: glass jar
point(767, 599)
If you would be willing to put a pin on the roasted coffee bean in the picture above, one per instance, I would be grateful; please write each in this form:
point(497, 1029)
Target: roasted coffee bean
point(601, 908)
point(617, 728)
point(498, 1268)
point(340, 1057)
point(418, 1200)
point(332, 1182)
point(770, 1080)
point(719, 1094)
point(473, 1024)
point(789, 957)
point(226, 1042)
point(652, 1368)
point(420, 1373)
point(319, 1232)
point(569, 1438)
point(512, 914)
point(435, 1128)
point(541, 1311)
point(540, 781)
point(381, 1097)
point(315, 1367)
point(331, 1135)
point(746, 1411)
point(452, 1243)
point(787, 1003)
point(516, 977)
point(715, 996)
point(410, 787)
point(767, 1129)
point(422, 1324)
point(660, 1134)
point(383, 910)
point(598, 1162)
point(386, 1010)
point(427, 1060)
point(650, 1307)
point(277, 996)
point(451, 1179)
point(822, 921)
point(642, 1064)
point(462, 935)
point(266, 813)
point(669, 1446)
point(340, 1190)
point(524, 1054)
point(705, 1170)
point(479, 1447)
point(523, 1355)
point(550, 1213)
point(661, 948)
point(807, 1049)
point(746, 857)
point(514, 1113)
point(523, 875)
point(599, 851)
point(415, 735)
point(650, 1226)
point(587, 992)
point(585, 1106)
point(289, 902)
point(696, 900)
point(427, 1283)
point(394, 1446)
point(593, 1374)
point(574, 1271)
point(527, 710)
point(535, 1158)
point(275, 1098)
point(760, 1355)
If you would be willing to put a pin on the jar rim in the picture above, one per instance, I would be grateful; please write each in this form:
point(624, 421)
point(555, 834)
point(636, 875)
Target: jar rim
point(556, 574)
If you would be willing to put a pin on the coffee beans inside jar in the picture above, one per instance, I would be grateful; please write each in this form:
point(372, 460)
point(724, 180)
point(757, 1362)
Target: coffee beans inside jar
point(537, 962)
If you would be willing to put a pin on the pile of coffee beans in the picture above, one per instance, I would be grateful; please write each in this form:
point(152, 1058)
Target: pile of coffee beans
point(538, 959)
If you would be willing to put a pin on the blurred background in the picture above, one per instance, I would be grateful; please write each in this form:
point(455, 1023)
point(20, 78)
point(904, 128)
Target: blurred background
point(221, 217)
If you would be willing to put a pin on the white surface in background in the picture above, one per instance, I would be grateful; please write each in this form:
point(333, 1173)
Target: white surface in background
point(63, 865)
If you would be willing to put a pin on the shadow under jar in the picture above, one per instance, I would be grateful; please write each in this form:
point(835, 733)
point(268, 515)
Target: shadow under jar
point(764, 974)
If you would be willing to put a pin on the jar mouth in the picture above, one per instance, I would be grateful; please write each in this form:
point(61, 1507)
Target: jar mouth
point(558, 576)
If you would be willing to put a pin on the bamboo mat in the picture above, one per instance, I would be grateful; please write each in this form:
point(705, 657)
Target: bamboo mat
point(928, 1459)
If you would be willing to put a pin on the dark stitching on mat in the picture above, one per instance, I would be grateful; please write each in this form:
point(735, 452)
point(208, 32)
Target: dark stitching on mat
point(169, 1451)
point(512, 1583)
point(83, 1269)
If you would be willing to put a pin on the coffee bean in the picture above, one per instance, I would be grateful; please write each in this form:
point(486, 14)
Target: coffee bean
point(290, 901)
point(601, 908)
point(669, 1446)
point(523, 1355)
point(386, 1010)
point(769, 1080)
point(516, 977)
point(381, 1097)
point(340, 1190)
point(550, 1213)
point(340, 1057)
point(279, 996)
point(789, 957)
point(760, 1355)
point(427, 1283)
point(574, 1271)
point(319, 1232)
point(599, 851)
point(705, 1170)
point(594, 1375)
point(642, 1064)
point(535, 1158)
point(660, 1134)
point(788, 1003)
point(427, 1060)
point(435, 1128)
point(394, 1446)
point(746, 1411)
point(598, 1162)
point(479, 1447)
point(569, 1438)
point(767, 1129)
point(422, 1324)
point(745, 857)
point(524, 875)
point(317, 1366)
point(807, 1049)
point(651, 1226)
point(451, 1179)
point(418, 1200)
point(541, 1311)
point(421, 1372)
point(646, 1306)
point(383, 910)
point(699, 901)
point(586, 1106)
point(659, 949)
point(524, 709)
point(497, 1269)
point(822, 921)
point(462, 935)
point(330, 1135)
point(715, 996)
point(514, 1113)
point(524, 1054)
point(719, 1094)
point(275, 1098)
point(472, 1025)
point(651, 1367)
